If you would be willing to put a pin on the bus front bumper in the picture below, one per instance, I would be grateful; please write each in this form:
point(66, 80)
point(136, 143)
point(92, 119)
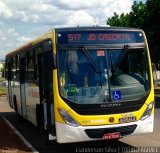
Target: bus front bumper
point(68, 134)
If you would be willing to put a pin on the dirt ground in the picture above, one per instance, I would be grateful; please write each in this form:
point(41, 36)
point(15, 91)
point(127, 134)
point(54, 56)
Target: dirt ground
point(10, 142)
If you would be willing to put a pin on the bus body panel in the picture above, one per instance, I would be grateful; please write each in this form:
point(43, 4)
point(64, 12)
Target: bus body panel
point(67, 134)
point(32, 99)
point(28, 96)
point(90, 120)
point(22, 85)
point(16, 95)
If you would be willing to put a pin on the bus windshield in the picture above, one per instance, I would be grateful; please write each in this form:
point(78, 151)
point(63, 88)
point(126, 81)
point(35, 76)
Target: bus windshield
point(94, 76)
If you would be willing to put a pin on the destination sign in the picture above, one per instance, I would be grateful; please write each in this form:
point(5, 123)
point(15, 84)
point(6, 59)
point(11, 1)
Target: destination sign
point(99, 37)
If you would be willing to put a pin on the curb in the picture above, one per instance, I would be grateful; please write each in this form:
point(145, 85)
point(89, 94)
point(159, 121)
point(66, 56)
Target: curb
point(21, 137)
point(1, 95)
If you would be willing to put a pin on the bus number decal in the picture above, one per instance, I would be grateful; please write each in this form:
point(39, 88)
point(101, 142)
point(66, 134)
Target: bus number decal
point(74, 37)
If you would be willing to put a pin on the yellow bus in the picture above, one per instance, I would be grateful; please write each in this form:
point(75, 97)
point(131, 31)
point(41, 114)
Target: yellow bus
point(83, 83)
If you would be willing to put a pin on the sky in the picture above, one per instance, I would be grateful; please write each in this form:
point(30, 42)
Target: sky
point(24, 20)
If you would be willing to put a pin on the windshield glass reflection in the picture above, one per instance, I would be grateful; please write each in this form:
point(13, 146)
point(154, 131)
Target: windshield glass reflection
point(98, 75)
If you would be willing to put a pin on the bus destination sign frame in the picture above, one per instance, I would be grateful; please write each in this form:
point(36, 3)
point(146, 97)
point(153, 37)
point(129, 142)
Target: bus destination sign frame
point(99, 37)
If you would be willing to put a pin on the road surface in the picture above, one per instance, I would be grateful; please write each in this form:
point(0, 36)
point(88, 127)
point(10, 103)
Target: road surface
point(141, 143)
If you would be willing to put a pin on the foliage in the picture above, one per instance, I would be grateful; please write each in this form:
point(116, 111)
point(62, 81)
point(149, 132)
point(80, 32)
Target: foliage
point(2, 71)
point(147, 17)
point(3, 91)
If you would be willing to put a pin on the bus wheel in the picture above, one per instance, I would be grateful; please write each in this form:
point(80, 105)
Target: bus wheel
point(18, 116)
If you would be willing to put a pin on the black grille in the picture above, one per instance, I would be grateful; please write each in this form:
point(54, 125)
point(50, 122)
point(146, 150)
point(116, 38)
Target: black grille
point(99, 133)
point(107, 108)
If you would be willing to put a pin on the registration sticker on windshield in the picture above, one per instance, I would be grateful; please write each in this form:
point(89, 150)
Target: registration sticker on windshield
point(100, 53)
point(116, 95)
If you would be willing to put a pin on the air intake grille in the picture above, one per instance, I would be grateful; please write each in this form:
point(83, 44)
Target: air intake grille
point(98, 133)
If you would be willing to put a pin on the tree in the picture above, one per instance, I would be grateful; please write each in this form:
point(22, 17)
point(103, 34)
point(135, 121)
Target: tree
point(145, 16)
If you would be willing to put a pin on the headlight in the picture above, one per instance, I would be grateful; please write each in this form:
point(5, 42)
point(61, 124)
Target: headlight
point(148, 111)
point(67, 118)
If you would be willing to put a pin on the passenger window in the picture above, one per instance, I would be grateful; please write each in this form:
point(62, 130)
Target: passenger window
point(15, 68)
point(30, 66)
point(37, 51)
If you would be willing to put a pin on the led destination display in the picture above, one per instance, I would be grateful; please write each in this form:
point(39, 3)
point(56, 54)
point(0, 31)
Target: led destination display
point(99, 37)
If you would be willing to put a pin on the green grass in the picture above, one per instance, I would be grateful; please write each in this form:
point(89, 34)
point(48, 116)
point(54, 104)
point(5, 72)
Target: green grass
point(3, 91)
point(2, 79)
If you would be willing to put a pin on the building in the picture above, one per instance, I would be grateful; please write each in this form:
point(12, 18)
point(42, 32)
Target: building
point(1, 67)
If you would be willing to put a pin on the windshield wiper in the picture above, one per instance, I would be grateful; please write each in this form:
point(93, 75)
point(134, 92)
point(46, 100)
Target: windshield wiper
point(120, 57)
point(90, 59)
point(112, 66)
point(92, 62)
point(68, 69)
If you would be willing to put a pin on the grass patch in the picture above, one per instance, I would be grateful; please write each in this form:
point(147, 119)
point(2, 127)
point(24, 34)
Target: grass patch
point(3, 91)
point(2, 79)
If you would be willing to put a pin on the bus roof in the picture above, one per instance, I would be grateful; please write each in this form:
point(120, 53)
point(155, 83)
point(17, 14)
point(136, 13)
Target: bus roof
point(31, 43)
point(98, 28)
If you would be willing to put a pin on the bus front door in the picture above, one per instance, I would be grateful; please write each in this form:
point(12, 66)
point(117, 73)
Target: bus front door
point(22, 87)
point(46, 90)
point(10, 83)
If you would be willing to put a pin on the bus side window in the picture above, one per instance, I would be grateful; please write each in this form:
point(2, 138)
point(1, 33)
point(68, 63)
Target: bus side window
point(14, 68)
point(6, 69)
point(18, 67)
point(37, 51)
point(30, 66)
point(34, 66)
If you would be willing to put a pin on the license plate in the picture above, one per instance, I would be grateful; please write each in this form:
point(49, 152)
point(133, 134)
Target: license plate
point(110, 136)
point(127, 119)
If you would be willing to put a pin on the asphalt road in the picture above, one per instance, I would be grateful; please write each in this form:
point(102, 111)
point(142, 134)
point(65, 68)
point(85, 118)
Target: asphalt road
point(141, 143)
